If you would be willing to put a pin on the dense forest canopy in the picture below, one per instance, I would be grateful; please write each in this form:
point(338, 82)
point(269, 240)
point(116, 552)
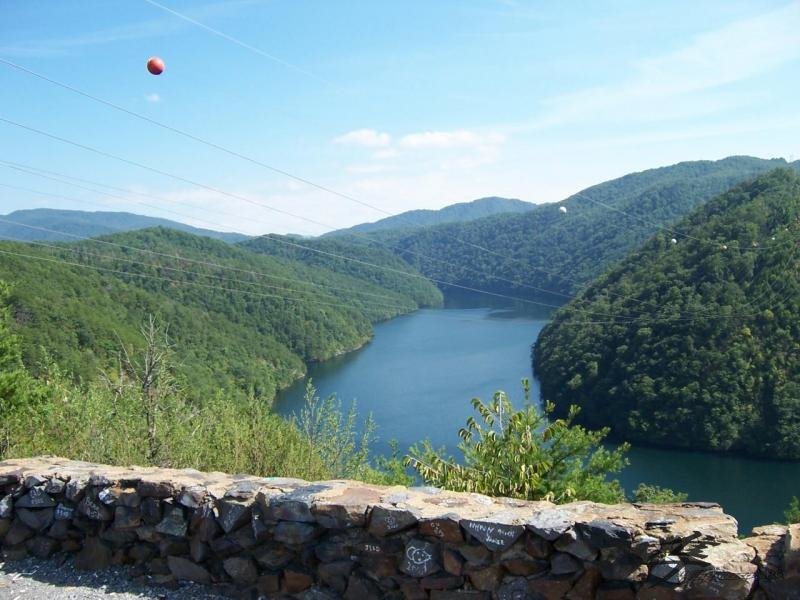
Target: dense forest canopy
point(702, 348)
point(241, 321)
point(542, 249)
point(454, 213)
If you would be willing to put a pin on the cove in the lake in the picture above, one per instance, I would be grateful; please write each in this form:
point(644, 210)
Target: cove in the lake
point(420, 372)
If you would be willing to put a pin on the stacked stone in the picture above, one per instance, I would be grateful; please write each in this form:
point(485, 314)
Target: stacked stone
point(287, 538)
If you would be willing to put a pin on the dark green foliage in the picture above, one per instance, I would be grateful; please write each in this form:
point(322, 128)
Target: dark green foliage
point(91, 224)
point(455, 213)
point(654, 494)
point(792, 513)
point(17, 388)
point(251, 341)
point(389, 271)
point(524, 454)
point(544, 249)
point(702, 348)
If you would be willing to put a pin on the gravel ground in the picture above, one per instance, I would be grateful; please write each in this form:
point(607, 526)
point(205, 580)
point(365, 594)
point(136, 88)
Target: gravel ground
point(56, 579)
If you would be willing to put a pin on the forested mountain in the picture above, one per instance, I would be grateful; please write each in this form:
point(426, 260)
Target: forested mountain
point(91, 224)
point(543, 248)
point(455, 213)
point(240, 321)
point(693, 344)
point(372, 263)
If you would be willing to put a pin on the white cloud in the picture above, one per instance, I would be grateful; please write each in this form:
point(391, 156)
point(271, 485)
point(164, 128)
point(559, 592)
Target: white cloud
point(152, 98)
point(450, 139)
point(369, 138)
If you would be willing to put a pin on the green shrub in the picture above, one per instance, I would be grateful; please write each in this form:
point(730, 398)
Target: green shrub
point(523, 454)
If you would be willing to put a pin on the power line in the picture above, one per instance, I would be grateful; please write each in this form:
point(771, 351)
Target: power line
point(181, 282)
point(274, 169)
point(184, 259)
point(83, 251)
point(243, 198)
point(239, 42)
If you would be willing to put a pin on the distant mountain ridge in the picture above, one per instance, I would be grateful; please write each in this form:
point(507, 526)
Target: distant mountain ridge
point(455, 213)
point(545, 249)
point(92, 224)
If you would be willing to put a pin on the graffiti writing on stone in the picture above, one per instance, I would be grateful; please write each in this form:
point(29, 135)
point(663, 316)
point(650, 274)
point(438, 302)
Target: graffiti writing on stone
point(494, 536)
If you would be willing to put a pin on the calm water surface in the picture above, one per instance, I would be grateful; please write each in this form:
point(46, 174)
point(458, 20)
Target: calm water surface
point(420, 372)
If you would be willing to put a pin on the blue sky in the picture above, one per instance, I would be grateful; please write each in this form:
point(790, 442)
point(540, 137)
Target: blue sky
point(402, 105)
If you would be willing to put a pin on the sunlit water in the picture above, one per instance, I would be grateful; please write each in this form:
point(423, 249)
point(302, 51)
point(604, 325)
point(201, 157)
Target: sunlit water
point(420, 372)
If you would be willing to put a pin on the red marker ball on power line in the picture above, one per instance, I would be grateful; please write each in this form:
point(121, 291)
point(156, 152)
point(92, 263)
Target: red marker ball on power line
point(155, 65)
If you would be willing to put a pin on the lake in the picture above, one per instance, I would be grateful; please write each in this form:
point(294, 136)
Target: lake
point(420, 372)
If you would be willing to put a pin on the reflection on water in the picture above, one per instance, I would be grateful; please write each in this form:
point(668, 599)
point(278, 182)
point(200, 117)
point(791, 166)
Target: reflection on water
point(420, 372)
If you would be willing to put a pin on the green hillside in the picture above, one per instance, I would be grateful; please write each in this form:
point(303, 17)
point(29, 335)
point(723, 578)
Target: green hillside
point(90, 224)
point(543, 248)
point(703, 347)
point(250, 329)
point(371, 263)
point(455, 213)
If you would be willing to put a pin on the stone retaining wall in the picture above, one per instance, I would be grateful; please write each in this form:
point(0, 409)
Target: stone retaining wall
point(287, 538)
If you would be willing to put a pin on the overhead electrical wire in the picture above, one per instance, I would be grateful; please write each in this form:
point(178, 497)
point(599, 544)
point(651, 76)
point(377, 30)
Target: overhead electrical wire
point(310, 183)
point(244, 198)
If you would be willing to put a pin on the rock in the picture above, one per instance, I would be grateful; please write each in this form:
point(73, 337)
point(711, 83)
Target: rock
point(6, 507)
point(233, 513)
point(110, 495)
point(476, 556)
point(445, 528)
point(602, 533)
point(186, 570)
point(537, 547)
point(32, 481)
point(660, 591)
point(64, 512)
point(572, 543)
point(75, 488)
point(386, 521)
point(420, 559)
point(585, 586)
point(241, 570)
point(359, 588)
point(515, 589)
point(550, 587)
point(617, 564)
point(495, 536)
point(35, 498)
point(38, 520)
point(670, 569)
point(564, 564)
point(791, 556)
point(442, 582)
point(94, 555)
point(127, 518)
point(55, 486)
point(460, 595)
point(41, 547)
point(294, 533)
point(452, 561)
point(204, 524)
point(645, 546)
point(332, 550)
point(296, 579)
point(5, 525)
point(486, 579)
point(729, 572)
point(141, 553)
point(18, 533)
point(150, 509)
point(192, 496)
point(335, 574)
point(155, 489)
point(94, 510)
point(294, 506)
point(173, 523)
point(268, 583)
point(615, 590)
point(549, 524)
